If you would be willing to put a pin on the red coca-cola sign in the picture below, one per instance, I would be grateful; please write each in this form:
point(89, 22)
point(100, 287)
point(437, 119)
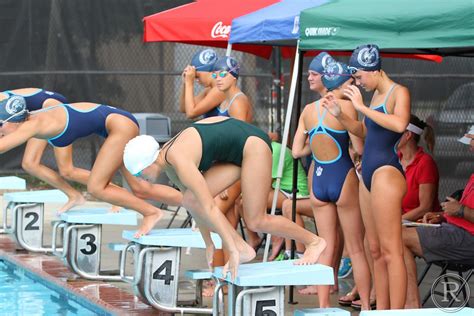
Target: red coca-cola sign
point(220, 30)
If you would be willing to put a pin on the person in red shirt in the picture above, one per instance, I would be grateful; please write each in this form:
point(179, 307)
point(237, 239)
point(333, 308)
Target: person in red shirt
point(421, 171)
point(453, 240)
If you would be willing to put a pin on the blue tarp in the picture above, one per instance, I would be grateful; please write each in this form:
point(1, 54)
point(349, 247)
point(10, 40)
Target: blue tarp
point(277, 24)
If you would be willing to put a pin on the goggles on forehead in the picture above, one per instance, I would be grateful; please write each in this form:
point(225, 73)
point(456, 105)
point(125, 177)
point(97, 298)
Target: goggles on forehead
point(223, 73)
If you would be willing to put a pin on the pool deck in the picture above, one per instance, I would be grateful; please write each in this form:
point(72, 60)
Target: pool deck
point(118, 298)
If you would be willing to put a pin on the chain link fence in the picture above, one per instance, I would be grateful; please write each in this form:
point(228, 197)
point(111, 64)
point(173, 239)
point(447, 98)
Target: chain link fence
point(92, 50)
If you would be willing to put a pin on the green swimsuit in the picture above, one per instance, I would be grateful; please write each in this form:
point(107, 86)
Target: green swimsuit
point(224, 141)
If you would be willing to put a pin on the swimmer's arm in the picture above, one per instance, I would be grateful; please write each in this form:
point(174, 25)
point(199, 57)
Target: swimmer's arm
point(300, 147)
point(357, 142)
point(355, 127)
point(398, 121)
point(426, 195)
point(202, 104)
point(24, 132)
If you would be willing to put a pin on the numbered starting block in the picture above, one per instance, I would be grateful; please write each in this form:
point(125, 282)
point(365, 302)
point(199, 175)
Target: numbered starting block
point(259, 288)
point(157, 265)
point(8, 184)
point(26, 210)
point(82, 239)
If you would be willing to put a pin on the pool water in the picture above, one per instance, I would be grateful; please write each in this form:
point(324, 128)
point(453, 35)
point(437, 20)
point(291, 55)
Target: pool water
point(22, 293)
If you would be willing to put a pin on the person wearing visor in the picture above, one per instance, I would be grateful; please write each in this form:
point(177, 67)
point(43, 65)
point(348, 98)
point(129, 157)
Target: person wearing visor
point(334, 181)
point(202, 171)
point(205, 102)
point(385, 121)
point(421, 171)
point(36, 99)
point(62, 124)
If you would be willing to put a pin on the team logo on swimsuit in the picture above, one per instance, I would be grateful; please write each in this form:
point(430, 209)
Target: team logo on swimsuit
point(368, 56)
point(15, 104)
point(207, 56)
point(332, 71)
point(319, 171)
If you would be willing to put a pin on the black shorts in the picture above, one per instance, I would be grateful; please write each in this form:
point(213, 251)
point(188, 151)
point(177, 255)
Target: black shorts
point(447, 242)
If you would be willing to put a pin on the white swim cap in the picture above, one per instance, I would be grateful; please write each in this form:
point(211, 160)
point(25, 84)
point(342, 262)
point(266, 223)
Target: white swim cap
point(139, 153)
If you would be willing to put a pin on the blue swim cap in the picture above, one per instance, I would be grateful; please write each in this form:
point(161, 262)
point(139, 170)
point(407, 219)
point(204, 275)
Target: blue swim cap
point(320, 62)
point(229, 64)
point(366, 57)
point(13, 109)
point(335, 74)
point(204, 60)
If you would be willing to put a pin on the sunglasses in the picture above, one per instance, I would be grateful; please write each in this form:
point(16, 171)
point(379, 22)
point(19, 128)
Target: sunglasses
point(222, 73)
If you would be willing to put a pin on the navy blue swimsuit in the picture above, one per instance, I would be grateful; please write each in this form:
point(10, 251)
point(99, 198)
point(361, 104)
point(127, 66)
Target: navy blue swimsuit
point(35, 100)
point(380, 148)
point(218, 112)
point(329, 176)
point(82, 123)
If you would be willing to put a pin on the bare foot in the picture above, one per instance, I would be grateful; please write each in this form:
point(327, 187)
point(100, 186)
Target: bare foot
point(246, 253)
point(72, 202)
point(208, 290)
point(277, 245)
point(232, 265)
point(148, 223)
point(312, 252)
point(313, 290)
point(115, 209)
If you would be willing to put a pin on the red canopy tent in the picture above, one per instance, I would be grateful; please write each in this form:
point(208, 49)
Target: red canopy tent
point(204, 22)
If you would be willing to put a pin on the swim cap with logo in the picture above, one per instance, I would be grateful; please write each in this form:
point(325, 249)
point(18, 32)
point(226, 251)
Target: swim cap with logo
point(204, 60)
point(366, 57)
point(13, 109)
point(228, 64)
point(320, 62)
point(335, 74)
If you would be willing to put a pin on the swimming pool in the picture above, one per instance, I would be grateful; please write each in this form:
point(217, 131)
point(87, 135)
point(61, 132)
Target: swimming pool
point(25, 293)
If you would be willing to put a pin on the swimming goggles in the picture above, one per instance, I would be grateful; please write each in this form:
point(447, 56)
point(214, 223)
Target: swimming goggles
point(223, 73)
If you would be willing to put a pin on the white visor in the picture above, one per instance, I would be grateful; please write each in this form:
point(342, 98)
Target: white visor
point(415, 129)
point(467, 140)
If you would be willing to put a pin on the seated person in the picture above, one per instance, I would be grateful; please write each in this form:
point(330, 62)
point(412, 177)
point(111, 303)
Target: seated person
point(453, 240)
point(420, 169)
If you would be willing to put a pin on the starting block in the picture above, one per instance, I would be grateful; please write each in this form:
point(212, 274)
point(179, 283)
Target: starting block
point(26, 210)
point(259, 288)
point(82, 239)
point(465, 311)
point(156, 266)
point(321, 312)
point(12, 183)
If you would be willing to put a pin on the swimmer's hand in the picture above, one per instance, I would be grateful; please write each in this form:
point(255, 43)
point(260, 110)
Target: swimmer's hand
point(329, 102)
point(353, 93)
point(190, 74)
point(224, 195)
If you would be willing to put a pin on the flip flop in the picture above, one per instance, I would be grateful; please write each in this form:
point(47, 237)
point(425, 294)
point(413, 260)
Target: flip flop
point(352, 297)
point(357, 304)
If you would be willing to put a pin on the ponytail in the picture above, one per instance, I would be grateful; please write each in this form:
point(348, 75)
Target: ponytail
point(429, 137)
point(428, 132)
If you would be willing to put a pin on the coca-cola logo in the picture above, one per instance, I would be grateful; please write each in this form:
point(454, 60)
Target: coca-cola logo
point(220, 30)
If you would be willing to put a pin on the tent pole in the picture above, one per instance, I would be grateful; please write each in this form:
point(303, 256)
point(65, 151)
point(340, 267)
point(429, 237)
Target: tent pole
point(277, 83)
point(295, 164)
point(284, 142)
point(229, 49)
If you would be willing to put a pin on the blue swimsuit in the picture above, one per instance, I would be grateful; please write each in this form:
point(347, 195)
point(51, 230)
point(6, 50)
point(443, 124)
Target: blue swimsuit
point(82, 123)
point(218, 112)
point(329, 176)
point(380, 148)
point(35, 100)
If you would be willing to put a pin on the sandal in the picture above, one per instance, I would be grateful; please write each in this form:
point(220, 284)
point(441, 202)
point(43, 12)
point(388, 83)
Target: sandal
point(357, 304)
point(347, 299)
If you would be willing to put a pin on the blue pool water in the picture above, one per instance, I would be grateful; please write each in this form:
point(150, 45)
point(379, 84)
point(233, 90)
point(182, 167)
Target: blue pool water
point(23, 293)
